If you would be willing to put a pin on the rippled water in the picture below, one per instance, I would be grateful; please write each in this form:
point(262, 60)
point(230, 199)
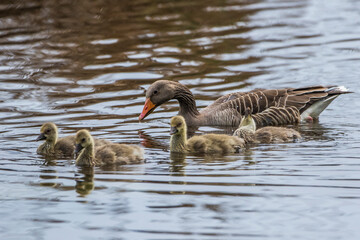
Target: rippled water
point(86, 64)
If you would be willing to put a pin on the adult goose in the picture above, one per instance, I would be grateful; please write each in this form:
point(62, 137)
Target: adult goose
point(107, 154)
point(247, 129)
point(58, 147)
point(203, 144)
point(229, 109)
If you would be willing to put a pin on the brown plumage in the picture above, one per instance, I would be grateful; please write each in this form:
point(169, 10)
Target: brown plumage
point(275, 116)
point(247, 130)
point(204, 144)
point(229, 109)
point(59, 147)
point(108, 154)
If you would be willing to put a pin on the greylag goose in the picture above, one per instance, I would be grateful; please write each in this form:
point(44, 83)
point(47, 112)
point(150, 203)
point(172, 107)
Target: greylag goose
point(247, 130)
point(54, 146)
point(108, 154)
point(204, 144)
point(229, 109)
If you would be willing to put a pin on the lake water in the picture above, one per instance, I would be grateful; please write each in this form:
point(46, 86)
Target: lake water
point(86, 64)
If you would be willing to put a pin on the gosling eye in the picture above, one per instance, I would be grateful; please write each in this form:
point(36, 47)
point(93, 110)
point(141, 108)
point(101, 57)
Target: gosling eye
point(155, 92)
point(178, 125)
point(83, 140)
point(48, 131)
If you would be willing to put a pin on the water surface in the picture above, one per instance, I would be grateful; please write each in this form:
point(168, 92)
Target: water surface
point(86, 64)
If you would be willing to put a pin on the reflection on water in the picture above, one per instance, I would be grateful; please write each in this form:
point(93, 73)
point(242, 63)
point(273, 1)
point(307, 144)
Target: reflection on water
point(85, 184)
point(87, 64)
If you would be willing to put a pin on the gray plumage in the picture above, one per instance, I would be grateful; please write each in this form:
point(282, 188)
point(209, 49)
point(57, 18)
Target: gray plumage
point(229, 109)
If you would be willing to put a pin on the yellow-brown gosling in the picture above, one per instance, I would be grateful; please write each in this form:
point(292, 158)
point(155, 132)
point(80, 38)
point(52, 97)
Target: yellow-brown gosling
point(204, 144)
point(54, 146)
point(108, 154)
point(247, 131)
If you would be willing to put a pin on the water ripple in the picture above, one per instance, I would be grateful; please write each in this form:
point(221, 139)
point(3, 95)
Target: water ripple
point(88, 64)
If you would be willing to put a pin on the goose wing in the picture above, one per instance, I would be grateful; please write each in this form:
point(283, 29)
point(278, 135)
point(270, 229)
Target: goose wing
point(232, 106)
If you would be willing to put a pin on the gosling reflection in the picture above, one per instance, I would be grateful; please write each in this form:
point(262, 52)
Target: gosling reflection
point(85, 183)
point(48, 178)
point(178, 163)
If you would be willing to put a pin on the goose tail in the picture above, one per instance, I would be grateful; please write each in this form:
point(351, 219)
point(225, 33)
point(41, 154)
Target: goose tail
point(313, 111)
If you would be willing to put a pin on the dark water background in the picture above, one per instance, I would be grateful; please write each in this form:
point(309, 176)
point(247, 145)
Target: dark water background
point(85, 64)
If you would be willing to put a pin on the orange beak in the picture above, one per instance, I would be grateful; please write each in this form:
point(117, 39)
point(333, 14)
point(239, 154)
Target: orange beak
point(148, 108)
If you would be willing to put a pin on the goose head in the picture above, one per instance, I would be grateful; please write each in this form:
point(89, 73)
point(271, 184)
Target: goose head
point(48, 132)
point(158, 93)
point(177, 126)
point(83, 139)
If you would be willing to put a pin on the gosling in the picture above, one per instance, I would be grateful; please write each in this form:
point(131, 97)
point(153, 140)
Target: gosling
point(108, 154)
point(204, 144)
point(247, 131)
point(59, 147)
point(54, 146)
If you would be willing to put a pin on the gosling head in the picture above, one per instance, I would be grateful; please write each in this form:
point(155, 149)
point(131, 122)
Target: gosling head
point(83, 139)
point(48, 132)
point(177, 125)
point(248, 122)
point(246, 128)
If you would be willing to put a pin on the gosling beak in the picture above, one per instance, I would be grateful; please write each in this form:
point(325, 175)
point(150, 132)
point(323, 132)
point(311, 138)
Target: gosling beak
point(78, 148)
point(173, 130)
point(41, 137)
point(149, 107)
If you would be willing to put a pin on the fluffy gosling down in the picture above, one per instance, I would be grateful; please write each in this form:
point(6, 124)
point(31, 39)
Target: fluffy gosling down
point(247, 131)
point(204, 144)
point(54, 146)
point(108, 154)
